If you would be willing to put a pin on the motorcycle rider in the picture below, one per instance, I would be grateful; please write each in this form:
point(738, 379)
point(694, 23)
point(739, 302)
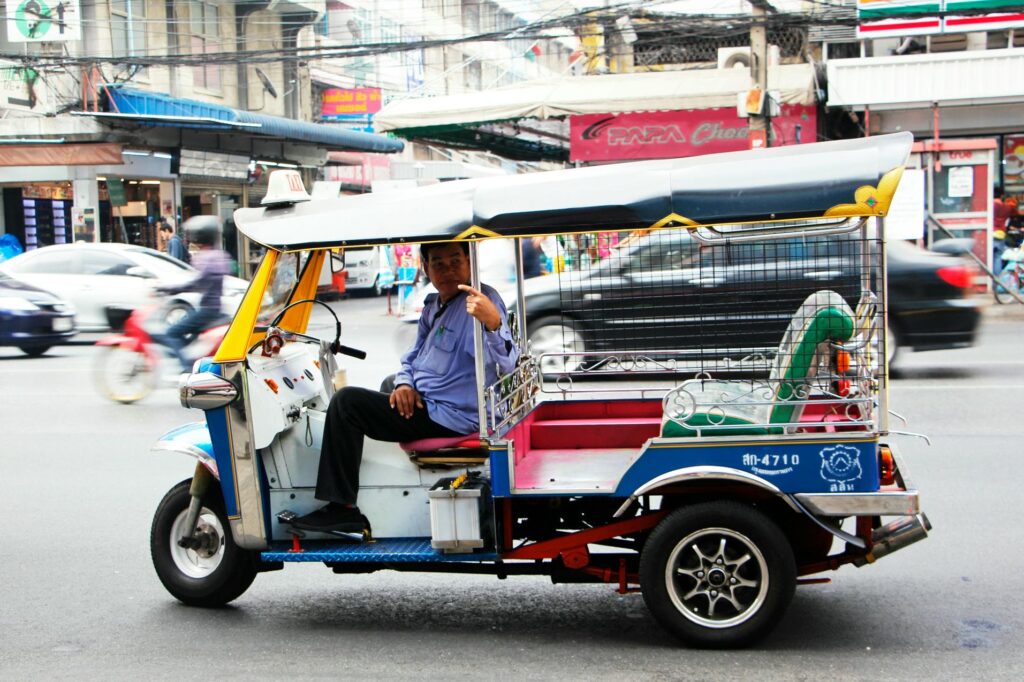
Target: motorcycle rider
point(213, 263)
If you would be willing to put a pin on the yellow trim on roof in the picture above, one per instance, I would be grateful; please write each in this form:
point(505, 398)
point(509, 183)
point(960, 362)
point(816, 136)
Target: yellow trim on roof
point(871, 201)
point(476, 232)
point(674, 218)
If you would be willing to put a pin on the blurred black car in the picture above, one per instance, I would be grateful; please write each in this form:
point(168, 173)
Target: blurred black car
point(667, 291)
point(32, 319)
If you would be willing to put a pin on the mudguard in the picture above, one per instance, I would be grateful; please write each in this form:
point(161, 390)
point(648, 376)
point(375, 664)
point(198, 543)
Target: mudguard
point(123, 340)
point(192, 440)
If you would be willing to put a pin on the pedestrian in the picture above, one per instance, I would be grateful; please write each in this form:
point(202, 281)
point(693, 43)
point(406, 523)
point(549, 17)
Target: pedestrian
point(175, 244)
point(532, 257)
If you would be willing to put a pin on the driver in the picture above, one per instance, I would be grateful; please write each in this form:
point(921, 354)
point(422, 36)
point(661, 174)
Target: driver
point(213, 264)
point(435, 391)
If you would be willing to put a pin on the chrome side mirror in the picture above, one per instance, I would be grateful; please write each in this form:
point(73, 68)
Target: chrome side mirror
point(206, 391)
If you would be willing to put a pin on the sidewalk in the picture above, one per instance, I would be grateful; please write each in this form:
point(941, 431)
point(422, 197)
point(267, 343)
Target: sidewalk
point(990, 310)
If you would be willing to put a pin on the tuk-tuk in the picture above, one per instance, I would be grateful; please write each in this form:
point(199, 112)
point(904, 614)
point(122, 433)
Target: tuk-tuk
point(713, 477)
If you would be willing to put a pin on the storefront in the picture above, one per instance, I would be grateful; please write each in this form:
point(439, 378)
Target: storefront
point(38, 213)
point(959, 180)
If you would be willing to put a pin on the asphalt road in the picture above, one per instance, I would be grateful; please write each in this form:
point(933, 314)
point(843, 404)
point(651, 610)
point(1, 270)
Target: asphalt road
point(79, 598)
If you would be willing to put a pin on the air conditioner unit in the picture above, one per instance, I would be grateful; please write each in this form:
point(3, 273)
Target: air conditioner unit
point(739, 57)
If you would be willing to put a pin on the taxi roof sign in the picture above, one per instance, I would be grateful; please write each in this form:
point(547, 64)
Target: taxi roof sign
point(285, 187)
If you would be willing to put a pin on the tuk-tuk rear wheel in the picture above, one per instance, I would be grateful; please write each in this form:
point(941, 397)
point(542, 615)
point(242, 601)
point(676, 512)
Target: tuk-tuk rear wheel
point(717, 575)
point(212, 573)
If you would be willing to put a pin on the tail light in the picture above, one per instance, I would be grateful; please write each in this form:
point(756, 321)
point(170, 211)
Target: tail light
point(960, 276)
point(886, 466)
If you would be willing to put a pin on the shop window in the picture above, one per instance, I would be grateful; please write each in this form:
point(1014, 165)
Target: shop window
point(128, 27)
point(204, 29)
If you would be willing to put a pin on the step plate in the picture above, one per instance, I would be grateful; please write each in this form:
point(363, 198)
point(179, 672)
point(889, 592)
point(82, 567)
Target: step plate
point(390, 550)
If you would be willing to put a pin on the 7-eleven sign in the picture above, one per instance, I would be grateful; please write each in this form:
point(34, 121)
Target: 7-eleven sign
point(898, 18)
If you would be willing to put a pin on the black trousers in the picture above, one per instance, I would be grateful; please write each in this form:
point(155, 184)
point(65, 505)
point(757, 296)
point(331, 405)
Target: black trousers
point(355, 413)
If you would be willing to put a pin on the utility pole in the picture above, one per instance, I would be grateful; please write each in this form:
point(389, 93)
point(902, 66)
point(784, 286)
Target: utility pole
point(758, 118)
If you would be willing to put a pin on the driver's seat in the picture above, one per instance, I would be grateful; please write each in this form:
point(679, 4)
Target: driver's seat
point(452, 451)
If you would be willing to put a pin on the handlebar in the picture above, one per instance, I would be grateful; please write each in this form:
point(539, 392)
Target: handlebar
point(351, 352)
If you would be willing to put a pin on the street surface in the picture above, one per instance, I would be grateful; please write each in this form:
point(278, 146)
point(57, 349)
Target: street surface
point(79, 597)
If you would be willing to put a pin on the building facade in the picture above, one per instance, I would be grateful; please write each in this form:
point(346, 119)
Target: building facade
point(209, 95)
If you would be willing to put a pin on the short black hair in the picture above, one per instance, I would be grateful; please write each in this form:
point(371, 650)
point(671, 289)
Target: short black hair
point(164, 226)
point(426, 248)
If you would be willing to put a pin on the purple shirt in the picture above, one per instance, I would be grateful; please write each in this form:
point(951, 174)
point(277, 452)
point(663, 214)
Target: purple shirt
point(212, 265)
point(441, 367)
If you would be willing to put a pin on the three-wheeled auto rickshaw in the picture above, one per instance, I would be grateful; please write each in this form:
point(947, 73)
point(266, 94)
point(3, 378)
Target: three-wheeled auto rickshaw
point(713, 468)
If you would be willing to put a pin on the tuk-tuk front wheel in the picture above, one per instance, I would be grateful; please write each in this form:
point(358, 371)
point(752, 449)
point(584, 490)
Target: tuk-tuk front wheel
point(717, 575)
point(211, 572)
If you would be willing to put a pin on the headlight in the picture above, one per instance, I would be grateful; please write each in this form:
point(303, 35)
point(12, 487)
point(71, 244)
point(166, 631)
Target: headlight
point(14, 303)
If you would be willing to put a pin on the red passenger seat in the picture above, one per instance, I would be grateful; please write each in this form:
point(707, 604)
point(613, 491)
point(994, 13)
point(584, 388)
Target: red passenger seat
point(591, 433)
point(450, 452)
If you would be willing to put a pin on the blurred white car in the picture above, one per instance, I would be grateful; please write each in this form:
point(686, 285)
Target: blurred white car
point(94, 276)
point(368, 270)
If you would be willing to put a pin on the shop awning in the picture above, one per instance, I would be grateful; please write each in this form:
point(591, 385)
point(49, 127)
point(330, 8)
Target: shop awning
point(64, 154)
point(158, 109)
point(494, 119)
point(617, 93)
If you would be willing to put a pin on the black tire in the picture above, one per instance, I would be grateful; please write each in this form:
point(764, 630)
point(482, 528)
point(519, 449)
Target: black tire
point(708, 541)
point(554, 334)
point(124, 375)
point(33, 351)
point(892, 345)
point(209, 577)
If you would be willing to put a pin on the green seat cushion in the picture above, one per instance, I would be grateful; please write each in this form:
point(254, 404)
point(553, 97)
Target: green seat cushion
point(831, 323)
point(823, 316)
point(727, 426)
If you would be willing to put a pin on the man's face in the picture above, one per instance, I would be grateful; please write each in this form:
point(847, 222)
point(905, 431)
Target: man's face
point(447, 267)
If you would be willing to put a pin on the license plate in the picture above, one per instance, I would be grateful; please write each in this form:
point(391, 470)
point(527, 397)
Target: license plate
point(62, 324)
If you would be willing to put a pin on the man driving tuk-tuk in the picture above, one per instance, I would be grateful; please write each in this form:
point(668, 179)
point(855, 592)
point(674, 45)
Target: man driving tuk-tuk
point(708, 477)
point(434, 394)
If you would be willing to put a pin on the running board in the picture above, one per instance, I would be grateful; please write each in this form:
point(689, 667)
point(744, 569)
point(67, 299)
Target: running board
point(390, 550)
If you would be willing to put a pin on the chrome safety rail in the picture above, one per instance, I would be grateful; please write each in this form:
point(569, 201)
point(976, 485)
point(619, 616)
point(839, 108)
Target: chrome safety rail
point(711, 234)
point(566, 373)
point(752, 402)
point(512, 395)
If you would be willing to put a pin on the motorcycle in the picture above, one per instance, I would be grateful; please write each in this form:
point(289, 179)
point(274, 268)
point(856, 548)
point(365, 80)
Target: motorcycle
point(131, 363)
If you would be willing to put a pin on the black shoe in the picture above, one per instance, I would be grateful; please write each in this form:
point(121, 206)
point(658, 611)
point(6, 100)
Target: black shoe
point(332, 517)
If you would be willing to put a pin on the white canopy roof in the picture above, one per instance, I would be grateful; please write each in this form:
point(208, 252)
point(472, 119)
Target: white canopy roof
point(617, 93)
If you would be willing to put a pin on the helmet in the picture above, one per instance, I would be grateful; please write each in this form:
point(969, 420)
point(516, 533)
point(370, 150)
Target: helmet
point(203, 229)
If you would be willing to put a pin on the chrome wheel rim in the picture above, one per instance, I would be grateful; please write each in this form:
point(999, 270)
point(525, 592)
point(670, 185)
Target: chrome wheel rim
point(556, 338)
point(717, 578)
point(200, 562)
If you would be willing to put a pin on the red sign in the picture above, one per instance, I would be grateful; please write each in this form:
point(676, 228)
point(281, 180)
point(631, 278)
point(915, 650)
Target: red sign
point(346, 102)
point(669, 134)
point(1013, 163)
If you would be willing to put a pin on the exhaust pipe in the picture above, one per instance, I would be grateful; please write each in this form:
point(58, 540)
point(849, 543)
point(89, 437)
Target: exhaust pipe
point(895, 535)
